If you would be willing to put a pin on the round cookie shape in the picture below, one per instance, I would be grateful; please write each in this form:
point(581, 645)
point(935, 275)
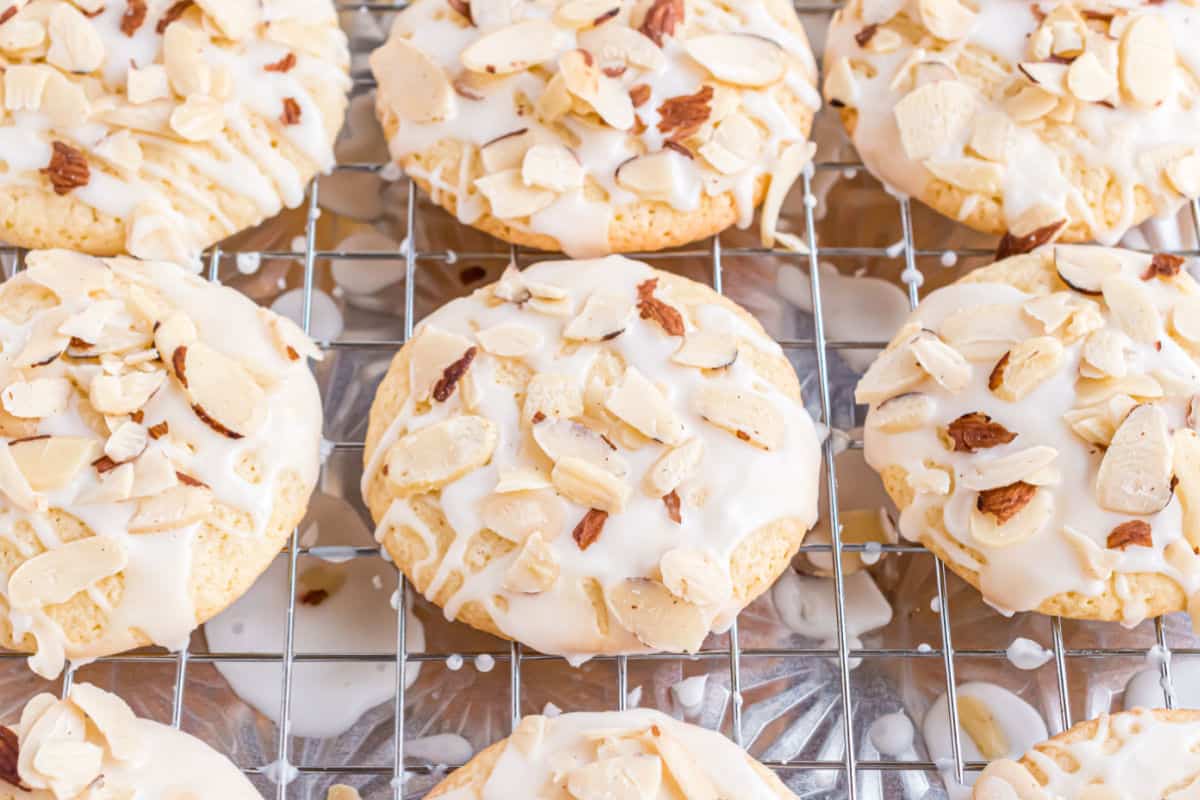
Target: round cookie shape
point(1034, 421)
point(593, 127)
point(1075, 119)
point(598, 755)
point(157, 128)
point(159, 439)
point(591, 457)
point(89, 744)
point(1139, 753)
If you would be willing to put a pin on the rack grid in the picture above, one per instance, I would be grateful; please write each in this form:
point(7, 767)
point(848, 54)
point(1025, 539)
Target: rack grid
point(849, 766)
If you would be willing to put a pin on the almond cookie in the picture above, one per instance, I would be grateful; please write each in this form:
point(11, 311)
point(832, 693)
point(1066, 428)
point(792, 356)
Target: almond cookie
point(1150, 753)
point(1035, 422)
point(159, 439)
point(90, 746)
point(600, 126)
point(1074, 119)
point(591, 457)
point(640, 753)
point(155, 127)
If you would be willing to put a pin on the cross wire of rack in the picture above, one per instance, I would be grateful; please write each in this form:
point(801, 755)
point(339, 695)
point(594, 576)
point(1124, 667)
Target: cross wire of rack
point(849, 765)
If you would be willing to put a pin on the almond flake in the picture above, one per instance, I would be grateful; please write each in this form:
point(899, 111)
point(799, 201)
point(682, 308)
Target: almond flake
point(413, 84)
point(553, 167)
point(1011, 514)
point(535, 568)
point(509, 197)
point(433, 350)
point(1010, 468)
point(1133, 308)
point(68, 168)
point(943, 363)
point(1135, 473)
point(652, 308)
point(1089, 80)
point(894, 372)
point(603, 317)
point(1135, 533)
point(510, 340)
point(517, 515)
point(1148, 58)
point(639, 403)
point(740, 59)
point(695, 576)
point(1184, 175)
point(223, 393)
point(50, 463)
point(1025, 367)
point(1031, 103)
point(985, 332)
point(75, 44)
point(515, 48)
point(1105, 355)
point(178, 507)
point(1066, 314)
point(619, 45)
point(56, 575)
point(586, 13)
point(589, 485)
point(1084, 268)
point(589, 528)
point(947, 19)
point(429, 458)
point(198, 118)
point(520, 479)
point(112, 716)
point(118, 395)
point(38, 398)
point(841, 86)
point(674, 467)
point(607, 97)
point(1163, 265)
point(553, 396)
point(659, 619)
point(624, 777)
point(654, 176)
point(1185, 318)
point(564, 438)
point(452, 374)
point(977, 431)
point(508, 151)
point(991, 135)
point(529, 734)
point(902, 413)
point(153, 473)
point(970, 174)
point(706, 350)
point(70, 765)
point(126, 442)
point(289, 338)
point(1049, 75)
point(934, 116)
point(1004, 502)
point(662, 18)
point(749, 416)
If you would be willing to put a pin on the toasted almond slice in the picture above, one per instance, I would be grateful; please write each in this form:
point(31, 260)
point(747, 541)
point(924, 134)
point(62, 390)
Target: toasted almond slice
point(56, 575)
point(604, 316)
point(943, 363)
point(902, 413)
point(970, 174)
point(934, 116)
point(555, 101)
point(153, 473)
point(654, 176)
point(178, 507)
point(659, 619)
point(50, 463)
point(739, 59)
point(894, 372)
point(1143, 387)
point(1089, 80)
point(1184, 175)
point(112, 717)
point(118, 395)
point(946, 19)
point(38, 398)
point(45, 343)
point(552, 396)
point(625, 777)
point(510, 340)
point(508, 151)
point(563, 438)
point(1074, 316)
point(980, 724)
point(618, 44)
point(751, 417)
point(553, 167)
point(1097, 562)
point(223, 393)
point(706, 350)
point(589, 485)
point(1135, 473)
point(1098, 423)
point(509, 197)
point(1025, 367)
point(586, 13)
point(696, 576)
point(176, 331)
point(515, 48)
point(991, 135)
point(984, 474)
point(411, 83)
point(1030, 104)
point(784, 174)
point(290, 339)
point(1084, 268)
point(1106, 352)
point(431, 457)
point(686, 772)
point(739, 135)
point(1185, 318)
point(433, 350)
point(841, 88)
point(114, 486)
point(1148, 58)
point(535, 569)
point(606, 96)
point(70, 766)
point(1133, 308)
point(521, 479)
point(126, 442)
point(985, 332)
point(674, 467)
point(640, 403)
point(1010, 527)
point(516, 515)
point(1049, 75)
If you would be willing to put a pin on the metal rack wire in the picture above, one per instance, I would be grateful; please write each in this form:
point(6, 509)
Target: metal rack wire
point(850, 766)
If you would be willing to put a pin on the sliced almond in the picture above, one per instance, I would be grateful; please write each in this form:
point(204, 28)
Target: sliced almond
point(1097, 562)
point(751, 417)
point(38, 398)
point(412, 84)
point(1085, 268)
point(674, 467)
point(1098, 423)
point(115, 486)
point(606, 96)
point(563, 438)
point(934, 116)
point(1025, 367)
point(153, 473)
point(991, 135)
point(841, 88)
point(521, 479)
point(1135, 473)
point(555, 101)
point(1133, 308)
point(126, 442)
point(553, 167)
point(535, 569)
point(75, 44)
point(223, 393)
point(1089, 80)
point(70, 766)
point(1106, 353)
point(739, 59)
point(198, 118)
point(981, 725)
point(1091, 392)
point(516, 515)
point(57, 574)
point(603, 317)
point(1014, 515)
point(1066, 314)
point(432, 351)
point(176, 331)
point(943, 363)
point(1184, 175)
point(659, 619)
point(686, 772)
point(1185, 318)
point(902, 413)
point(696, 576)
point(529, 734)
point(112, 716)
point(51, 463)
point(586, 13)
point(429, 458)
point(639, 403)
point(509, 197)
point(510, 340)
point(552, 396)
point(654, 176)
point(178, 507)
point(1148, 59)
point(613, 45)
point(985, 332)
point(706, 350)
point(984, 474)
point(508, 151)
point(969, 174)
point(45, 342)
point(515, 48)
point(736, 143)
point(894, 372)
point(118, 395)
point(946, 19)
point(626, 777)
point(589, 485)
point(290, 339)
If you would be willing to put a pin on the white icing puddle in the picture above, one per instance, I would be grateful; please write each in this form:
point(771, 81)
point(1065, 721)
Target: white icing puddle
point(325, 323)
point(806, 605)
point(892, 735)
point(364, 276)
point(1027, 654)
point(442, 748)
point(1144, 689)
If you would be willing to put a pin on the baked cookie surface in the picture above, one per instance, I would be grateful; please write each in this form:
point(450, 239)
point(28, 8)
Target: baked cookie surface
point(90, 745)
point(1139, 753)
point(157, 128)
point(1035, 423)
point(592, 127)
point(159, 439)
point(591, 457)
point(596, 755)
point(1079, 118)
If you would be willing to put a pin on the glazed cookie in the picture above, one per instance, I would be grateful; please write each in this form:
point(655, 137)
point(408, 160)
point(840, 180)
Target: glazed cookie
point(600, 126)
point(159, 439)
point(156, 128)
point(640, 754)
point(90, 746)
point(1068, 118)
point(1035, 422)
point(591, 457)
point(1140, 753)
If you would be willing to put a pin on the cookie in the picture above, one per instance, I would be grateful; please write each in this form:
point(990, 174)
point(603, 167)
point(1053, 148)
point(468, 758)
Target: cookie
point(1075, 118)
point(599, 126)
point(1035, 422)
point(599, 755)
point(591, 457)
point(159, 439)
point(157, 128)
point(90, 745)
point(1139, 753)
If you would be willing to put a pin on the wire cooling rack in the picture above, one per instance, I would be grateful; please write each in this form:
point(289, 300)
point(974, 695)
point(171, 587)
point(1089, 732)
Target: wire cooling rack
point(849, 767)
